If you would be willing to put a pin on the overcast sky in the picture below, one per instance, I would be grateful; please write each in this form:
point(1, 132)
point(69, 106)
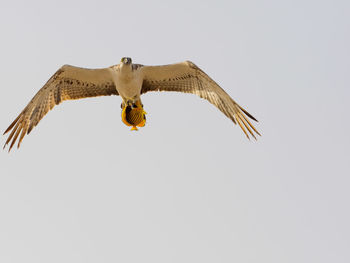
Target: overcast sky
point(188, 187)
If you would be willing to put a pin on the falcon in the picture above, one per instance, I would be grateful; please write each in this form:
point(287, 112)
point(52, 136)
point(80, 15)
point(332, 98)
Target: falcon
point(129, 81)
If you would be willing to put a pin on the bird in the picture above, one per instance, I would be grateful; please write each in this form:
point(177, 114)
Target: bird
point(129, 81)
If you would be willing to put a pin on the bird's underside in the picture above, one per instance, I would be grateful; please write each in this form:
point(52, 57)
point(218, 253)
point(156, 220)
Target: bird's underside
point(129, 81)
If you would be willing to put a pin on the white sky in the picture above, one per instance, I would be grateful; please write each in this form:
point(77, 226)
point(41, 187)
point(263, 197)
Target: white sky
point(188, 187)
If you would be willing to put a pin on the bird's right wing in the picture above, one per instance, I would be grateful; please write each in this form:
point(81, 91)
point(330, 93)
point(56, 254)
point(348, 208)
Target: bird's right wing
point(68, 83)
point(188, 78)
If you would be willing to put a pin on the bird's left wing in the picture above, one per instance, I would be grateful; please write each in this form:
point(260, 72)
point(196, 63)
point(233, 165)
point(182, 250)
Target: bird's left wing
point(188, 78)
point(68, 83)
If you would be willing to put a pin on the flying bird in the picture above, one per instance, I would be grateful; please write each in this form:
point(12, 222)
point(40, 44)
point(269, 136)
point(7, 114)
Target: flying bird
point(129, 81)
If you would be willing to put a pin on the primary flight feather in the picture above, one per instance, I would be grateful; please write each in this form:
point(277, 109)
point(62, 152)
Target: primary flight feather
point(129, 81)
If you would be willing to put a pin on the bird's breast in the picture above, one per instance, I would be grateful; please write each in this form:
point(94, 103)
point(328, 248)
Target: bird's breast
point(128, 85)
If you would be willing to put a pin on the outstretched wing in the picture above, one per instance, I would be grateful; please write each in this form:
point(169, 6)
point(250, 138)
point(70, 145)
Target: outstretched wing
point(68, 83)
point(187, 77)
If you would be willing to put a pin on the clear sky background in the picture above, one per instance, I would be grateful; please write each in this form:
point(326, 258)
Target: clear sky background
point(188, 187)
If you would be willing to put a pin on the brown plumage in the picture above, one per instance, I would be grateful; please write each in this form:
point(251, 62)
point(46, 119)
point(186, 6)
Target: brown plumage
point(68, 83)
point(129, 81)
point(188, 78)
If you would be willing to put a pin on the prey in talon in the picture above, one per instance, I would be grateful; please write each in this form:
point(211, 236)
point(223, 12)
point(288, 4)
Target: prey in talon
point(134, 115)
point(129, 81)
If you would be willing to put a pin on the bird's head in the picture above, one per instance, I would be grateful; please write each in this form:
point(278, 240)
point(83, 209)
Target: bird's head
point(126, 61)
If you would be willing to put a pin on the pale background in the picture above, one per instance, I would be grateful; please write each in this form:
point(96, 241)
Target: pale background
point(189, 187)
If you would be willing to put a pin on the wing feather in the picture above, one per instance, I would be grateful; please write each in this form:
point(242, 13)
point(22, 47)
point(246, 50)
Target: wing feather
point(188, 78)
point(68, 83)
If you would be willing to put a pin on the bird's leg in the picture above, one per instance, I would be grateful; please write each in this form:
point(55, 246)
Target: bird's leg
point(132, 103)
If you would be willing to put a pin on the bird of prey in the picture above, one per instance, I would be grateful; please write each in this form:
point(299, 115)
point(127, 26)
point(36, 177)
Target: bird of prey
point(129, 81)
